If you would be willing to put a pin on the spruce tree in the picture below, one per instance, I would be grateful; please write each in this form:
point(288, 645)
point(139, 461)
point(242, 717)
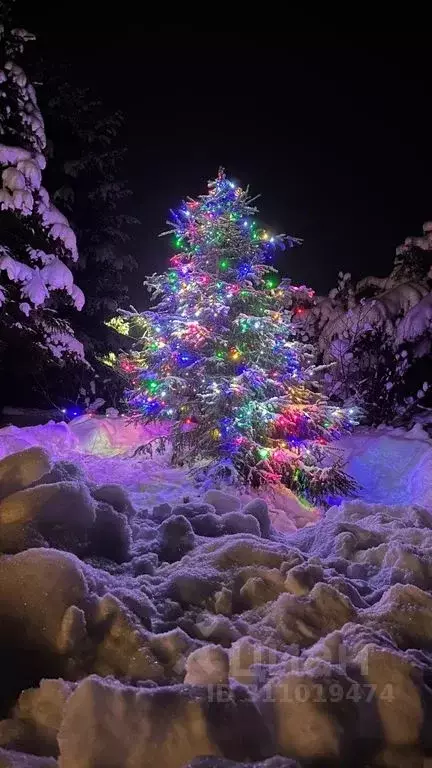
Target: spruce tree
point(217, 356)
point(36, 241)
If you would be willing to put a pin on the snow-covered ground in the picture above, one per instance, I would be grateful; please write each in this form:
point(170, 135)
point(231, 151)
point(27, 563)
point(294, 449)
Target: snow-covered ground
point(148, 622)
point(391, 466)
point(105, 448)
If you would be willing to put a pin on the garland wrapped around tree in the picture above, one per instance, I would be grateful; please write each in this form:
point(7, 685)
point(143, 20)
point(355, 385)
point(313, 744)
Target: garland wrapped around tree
point(217, 356)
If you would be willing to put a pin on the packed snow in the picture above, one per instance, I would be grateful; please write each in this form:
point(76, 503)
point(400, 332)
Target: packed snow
point(149, 621)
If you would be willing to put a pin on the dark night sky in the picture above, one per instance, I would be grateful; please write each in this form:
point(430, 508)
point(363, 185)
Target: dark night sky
point(335, 136)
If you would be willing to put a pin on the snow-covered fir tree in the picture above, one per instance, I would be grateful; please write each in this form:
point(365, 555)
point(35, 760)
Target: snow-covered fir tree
point(218, 359)
point(377, 335)
point(36, 240)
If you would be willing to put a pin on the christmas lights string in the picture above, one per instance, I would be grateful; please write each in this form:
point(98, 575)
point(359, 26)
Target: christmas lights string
point(219, 357)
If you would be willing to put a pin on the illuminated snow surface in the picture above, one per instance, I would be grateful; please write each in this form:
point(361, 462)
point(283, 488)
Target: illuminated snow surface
point(140, 630)
point(104, 447)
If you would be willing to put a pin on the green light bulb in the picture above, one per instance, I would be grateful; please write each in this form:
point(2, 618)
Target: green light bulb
point(271, 282)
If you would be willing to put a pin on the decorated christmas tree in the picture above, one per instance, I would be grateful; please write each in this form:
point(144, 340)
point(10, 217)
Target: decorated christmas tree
point(217, 356)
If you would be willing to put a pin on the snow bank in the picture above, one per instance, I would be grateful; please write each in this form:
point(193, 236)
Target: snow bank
point(105, 448)
point(391, 465)
point(192, 632)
